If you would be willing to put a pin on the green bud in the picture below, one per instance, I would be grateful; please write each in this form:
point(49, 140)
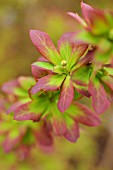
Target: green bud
point(63, 63)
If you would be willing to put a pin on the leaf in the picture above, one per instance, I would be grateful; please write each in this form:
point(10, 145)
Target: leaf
point(21, 92)
point(95, 19)
point(82, 114)
point(65, 51)
point(77, 95)
point(12, 139)
point(44, 137)
point(100, 101)
point(9, 86)
point(108, 80)
point(26, 82)
point(71, 49)
point(44, 65)
point(13, 107)
point(81, 76)
point(45, 46)
point(72, 132)
point(66, 95)
point(104, 52)
point(49, 82)
point(108, 70)
point(58, 121)
point(77, 18)
point(38, 72)
point(82, 89)
point(87, 37)
point(24, 113)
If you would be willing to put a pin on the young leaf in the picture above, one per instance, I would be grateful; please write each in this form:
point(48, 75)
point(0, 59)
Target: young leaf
point(77, 18)
point(95, 19)
point(44, 65)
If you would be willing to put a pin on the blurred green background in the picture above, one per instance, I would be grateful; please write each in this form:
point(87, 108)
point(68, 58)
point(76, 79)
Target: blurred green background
point(94, 149)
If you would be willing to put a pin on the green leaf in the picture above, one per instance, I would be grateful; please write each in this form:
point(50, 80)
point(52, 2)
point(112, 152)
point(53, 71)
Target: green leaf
point(26, 82)
point(108, 71)
point(39, 105)
point(44, 65)
point(88, 37)
point(65, 51)
point(49, 82)
point(21, 92)
point(82, 75)
point(104, 51)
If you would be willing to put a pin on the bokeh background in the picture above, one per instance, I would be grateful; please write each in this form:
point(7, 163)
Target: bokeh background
point(94, 149)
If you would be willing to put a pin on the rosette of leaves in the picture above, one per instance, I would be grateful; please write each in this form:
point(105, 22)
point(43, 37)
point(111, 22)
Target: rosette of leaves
point(43, 107)
point(22, 137)
point(68, 67)
point(22, 134)
point(98, 31)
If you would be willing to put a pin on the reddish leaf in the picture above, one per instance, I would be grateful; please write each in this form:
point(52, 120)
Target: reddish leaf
point(100, 101)
point(72, 132)
point(9, 86)
point(95, 19)
point(50, 82)
point(59, 123)
point(66, 95)
point(68, 45)
point(82, 89)
point(13, 107)
point(12, 140)
point(45, 46)
point(82, 114)
point(38, 72)
point(23, 113)
point(78, 18)
point(44, 137)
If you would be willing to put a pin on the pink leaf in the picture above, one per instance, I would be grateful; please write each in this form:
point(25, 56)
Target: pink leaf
point(13, 107)
point(85, 116)
point(23, 113)
point(49, 82)
point(44, 137)
point(9, 86)
point(72, 132)
point(38, 72)
point(45, 46)
point(77, 18)
point(100, 101)
point(66, 95)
